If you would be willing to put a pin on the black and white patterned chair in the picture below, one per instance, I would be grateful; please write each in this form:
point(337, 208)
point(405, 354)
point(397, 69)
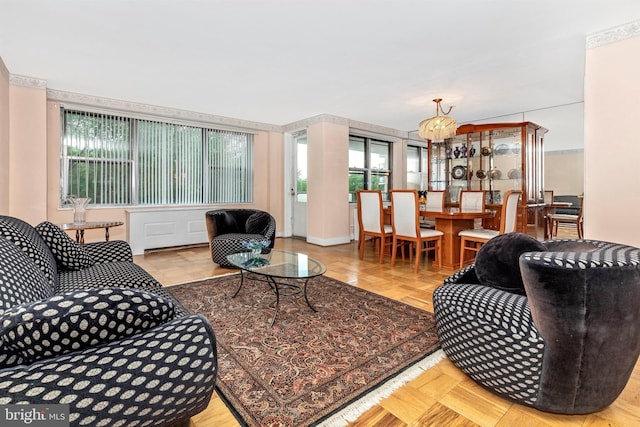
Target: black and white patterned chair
point(229, 229)
point(83, 325)
point(566, 342)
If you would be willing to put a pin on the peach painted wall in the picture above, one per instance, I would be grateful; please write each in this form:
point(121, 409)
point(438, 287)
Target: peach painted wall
point(612, 142)
point(4, 139)
point(275, 173)
point(28, 153)
point(328, 187)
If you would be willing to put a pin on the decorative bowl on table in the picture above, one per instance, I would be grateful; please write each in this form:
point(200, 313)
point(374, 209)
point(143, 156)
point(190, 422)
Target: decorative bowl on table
point(256, 246)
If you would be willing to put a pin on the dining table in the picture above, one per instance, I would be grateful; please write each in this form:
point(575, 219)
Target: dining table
point(451, 220)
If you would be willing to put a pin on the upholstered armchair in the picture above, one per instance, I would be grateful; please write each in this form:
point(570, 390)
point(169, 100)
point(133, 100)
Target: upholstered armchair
point(228, 229)
point(553, 325)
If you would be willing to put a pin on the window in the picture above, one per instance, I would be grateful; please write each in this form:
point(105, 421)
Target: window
point(121, 161)
point(96, 158)
point(417, 167)
point(369, 166)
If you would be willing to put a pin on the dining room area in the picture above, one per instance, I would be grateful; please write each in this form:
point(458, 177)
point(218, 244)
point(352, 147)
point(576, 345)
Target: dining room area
point(449, 237)
point(481, 182)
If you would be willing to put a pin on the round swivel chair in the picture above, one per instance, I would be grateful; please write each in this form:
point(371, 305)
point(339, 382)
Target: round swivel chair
point(229, 229)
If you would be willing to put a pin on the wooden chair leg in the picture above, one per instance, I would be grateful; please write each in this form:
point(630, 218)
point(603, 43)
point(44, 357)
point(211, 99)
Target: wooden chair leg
point(383, 245)
point(394, 249)
point(463, 244)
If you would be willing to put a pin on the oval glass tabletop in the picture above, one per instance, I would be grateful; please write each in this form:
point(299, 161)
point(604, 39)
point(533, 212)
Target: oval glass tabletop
point(278, 263)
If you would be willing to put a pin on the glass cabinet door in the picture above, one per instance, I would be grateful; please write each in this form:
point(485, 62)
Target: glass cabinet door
point(458, 169)
point(437, 166)
point(495, 158)
point(507, 171)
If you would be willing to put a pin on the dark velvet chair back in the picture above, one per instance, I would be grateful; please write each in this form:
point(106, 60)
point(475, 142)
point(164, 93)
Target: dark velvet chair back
point(565, 340)
point(586, 306)
point(237, 221)
point(227, 229)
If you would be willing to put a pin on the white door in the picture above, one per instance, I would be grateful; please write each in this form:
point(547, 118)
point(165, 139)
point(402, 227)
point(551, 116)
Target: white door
point(299, 190)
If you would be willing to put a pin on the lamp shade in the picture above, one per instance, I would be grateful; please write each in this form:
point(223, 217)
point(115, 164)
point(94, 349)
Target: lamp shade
point(439, 127)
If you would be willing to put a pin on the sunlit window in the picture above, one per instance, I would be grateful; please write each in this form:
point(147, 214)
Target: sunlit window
point(417, 167)
point(369, 166)
point(123, 161)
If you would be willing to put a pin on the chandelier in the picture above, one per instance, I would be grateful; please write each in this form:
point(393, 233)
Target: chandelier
point(439, 127)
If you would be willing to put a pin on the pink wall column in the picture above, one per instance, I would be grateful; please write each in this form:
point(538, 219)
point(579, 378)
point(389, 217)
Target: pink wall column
point(612, 141)
point(275, 176)
point(328, 183)
point(4, 139)
point(28, 153)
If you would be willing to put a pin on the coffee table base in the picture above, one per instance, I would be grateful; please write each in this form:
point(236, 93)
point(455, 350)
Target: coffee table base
point(284, 289)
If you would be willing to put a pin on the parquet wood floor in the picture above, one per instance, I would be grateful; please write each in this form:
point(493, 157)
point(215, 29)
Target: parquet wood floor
point(443, 395)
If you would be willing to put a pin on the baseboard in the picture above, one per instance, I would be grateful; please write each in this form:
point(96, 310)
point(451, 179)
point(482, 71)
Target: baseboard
point(328, 242)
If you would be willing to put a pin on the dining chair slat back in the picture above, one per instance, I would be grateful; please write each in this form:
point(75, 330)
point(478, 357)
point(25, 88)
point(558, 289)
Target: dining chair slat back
point(371, 222)
point(435, 201)
point(509, 218)
point(404, 205)
point(406, 227)
point(473, 239)
point(370, 210)
point(472, 201)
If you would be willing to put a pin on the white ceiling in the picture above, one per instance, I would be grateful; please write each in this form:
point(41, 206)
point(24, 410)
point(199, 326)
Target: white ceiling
point(279, 61)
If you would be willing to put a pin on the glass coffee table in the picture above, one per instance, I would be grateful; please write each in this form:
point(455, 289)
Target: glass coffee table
point(275, 266)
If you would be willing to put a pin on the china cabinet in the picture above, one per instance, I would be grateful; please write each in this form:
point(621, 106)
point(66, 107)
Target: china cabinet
point(495, 158)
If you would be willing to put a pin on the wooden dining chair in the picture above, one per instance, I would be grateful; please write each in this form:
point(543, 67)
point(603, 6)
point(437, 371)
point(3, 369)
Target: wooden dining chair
point(371, 221)
point(435, 203)
point(405, 223)
point(472, 200)
point(472, 240)
point(578, 220)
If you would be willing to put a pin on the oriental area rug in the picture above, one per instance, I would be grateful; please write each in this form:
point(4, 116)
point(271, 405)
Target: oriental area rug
point(310, 368)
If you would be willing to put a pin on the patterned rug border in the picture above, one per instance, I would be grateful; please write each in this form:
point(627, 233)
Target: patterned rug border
point(352, 410)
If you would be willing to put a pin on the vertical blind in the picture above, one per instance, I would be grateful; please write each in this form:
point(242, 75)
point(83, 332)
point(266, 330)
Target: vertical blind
point(169, 164)
point(126, 161)
point(230, 164)
point(96, 158)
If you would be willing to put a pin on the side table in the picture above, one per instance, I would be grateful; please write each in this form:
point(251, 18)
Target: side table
point(79, 228)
